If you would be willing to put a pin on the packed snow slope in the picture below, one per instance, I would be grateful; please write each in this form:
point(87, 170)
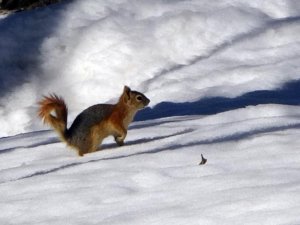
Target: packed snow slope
point(173, 51)
point(224, 81)
point(251, 176)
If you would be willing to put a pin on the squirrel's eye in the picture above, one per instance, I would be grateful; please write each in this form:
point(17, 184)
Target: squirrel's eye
point(139, 98)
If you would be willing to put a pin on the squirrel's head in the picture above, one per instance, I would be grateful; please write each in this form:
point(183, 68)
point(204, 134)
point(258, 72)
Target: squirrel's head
point(134, 99)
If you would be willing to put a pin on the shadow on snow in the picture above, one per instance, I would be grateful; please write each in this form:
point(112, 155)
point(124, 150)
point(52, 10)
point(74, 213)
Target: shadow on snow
point(215, 140)
point(20, 55)
point(289, 94)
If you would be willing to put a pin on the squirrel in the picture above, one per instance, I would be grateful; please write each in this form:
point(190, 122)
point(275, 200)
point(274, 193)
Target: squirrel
point(95, 123)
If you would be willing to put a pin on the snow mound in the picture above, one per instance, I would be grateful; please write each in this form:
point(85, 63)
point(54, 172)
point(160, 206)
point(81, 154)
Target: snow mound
point(176, 51)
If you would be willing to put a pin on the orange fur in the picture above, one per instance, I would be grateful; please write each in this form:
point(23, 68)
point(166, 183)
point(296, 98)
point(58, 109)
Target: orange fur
point(58, 105)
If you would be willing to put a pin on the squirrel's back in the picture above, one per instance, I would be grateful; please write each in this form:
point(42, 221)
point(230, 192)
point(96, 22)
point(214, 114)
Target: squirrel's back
point(81, 127)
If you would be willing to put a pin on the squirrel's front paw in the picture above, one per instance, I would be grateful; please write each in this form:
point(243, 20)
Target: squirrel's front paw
point(119, 141)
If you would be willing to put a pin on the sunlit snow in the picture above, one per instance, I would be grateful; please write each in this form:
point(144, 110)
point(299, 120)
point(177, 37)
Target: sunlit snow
point(223, 79)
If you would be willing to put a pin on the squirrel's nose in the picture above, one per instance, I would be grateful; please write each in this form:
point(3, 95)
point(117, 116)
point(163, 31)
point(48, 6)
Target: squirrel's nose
point(147, 101)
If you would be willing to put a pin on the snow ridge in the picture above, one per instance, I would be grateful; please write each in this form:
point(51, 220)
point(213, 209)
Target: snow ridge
point(196, 49)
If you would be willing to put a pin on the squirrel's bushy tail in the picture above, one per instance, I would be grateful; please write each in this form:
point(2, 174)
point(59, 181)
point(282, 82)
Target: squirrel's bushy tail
point(53, 111)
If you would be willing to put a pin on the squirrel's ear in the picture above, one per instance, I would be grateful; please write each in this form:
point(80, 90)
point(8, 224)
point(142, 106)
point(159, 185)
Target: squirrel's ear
point(126, 93)
point(126, 89)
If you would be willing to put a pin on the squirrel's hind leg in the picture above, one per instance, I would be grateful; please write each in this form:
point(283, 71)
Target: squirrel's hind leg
point(96, 139)
point(92, 146)
point(83, 145)
point(95, 146)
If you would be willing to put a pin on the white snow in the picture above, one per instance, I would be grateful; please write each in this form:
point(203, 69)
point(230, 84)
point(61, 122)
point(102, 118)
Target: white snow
point(173, 51)
point(86, 51)
point(251, 177)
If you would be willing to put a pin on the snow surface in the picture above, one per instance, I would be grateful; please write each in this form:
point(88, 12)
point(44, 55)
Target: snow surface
point(175, 51)
point(251, 176)
point(211, 62)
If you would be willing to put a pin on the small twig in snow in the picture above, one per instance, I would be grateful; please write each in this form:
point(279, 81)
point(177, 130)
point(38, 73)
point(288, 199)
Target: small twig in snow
point(203, 160)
